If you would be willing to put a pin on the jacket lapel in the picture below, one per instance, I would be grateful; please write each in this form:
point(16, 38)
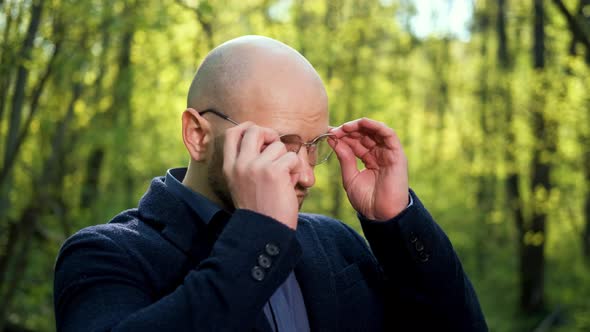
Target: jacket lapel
point(315, 278)
point(164, 211)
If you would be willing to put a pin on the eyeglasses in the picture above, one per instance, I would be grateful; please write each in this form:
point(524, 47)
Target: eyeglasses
point(318, 149)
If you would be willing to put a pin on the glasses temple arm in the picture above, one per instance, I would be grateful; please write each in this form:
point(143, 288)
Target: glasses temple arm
point(219, 114)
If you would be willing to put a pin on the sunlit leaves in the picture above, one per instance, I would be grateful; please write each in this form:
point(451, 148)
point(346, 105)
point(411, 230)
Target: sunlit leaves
point(430, 91)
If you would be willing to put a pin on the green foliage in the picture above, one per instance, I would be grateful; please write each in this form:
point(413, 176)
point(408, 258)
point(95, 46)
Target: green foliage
point(91, 153)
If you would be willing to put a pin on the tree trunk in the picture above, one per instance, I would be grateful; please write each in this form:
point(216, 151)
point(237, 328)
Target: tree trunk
point(331, 22)
point(438, 100)
point(579, 24)
point(539, 35)
point(503, 52)
point(9, 248)
point(205, 16)
point(514, 200)
point(37, 90)
point(533, 235)
point(485, 178)
point(122, 100)
point(6, 57)
point(33, 107)
point(578, 36)
point(513, 194)
point(22, 77)
point(352, 72)
point(94, 164)
point(26, 225)
point(14, 126)
point(7, 253)
point(51, 177)
point(586, 234)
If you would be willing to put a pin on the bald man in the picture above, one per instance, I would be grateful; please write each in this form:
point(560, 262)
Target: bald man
point(221, 245)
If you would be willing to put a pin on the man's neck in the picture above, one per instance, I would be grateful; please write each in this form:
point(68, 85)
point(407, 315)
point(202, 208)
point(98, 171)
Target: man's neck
point(196, 180)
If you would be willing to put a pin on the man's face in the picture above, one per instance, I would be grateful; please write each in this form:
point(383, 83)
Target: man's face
point(288, 102)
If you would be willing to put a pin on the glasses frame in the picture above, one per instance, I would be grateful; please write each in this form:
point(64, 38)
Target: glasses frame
point(307, 145)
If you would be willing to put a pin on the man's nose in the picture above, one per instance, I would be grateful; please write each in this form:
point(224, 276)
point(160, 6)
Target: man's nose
point(306, 177)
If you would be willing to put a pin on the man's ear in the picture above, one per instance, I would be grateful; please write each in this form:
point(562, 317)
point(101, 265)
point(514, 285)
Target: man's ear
point(196, 134)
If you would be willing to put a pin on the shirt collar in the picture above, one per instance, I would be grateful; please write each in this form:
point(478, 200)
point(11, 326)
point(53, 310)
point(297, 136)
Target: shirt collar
point(201, 205)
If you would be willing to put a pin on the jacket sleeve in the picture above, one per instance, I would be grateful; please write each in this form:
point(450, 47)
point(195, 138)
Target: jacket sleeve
point(99, 287)
point(425, 285)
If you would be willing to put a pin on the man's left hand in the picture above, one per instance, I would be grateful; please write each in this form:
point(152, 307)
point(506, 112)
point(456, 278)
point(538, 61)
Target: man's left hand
point(380, 191)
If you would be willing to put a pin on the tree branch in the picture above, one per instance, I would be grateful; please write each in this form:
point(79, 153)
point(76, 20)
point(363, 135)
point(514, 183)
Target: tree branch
point(203, 21)
point(578, 26)
point(185, 5)
point(10, 158)
point(21, 80)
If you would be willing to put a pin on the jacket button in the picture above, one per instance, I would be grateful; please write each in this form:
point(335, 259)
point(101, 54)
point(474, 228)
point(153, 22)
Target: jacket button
point(257, 273)
point(413, 237)
point(423, 256)
point(419, 246)
point(264, 261)
point(272, 249)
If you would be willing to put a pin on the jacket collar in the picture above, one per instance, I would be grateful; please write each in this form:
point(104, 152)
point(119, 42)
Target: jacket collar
point(163, 210)
point(201, 205)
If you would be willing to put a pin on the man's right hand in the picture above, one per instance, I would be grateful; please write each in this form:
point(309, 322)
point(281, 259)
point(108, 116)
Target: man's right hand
point(260, 173)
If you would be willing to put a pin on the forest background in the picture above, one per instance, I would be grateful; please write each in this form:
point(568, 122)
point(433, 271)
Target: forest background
point(495, 122)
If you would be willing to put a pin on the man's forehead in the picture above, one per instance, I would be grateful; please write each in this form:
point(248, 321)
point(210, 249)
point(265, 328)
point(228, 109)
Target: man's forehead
point(306, 129)
point(308, 125)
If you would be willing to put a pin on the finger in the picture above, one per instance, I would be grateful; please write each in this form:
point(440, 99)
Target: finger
point(380, 133)
point(356, 146)
point(337, 132)
point(233, 137)
point(367, 125)
point(273, 151)
point(347, 160)
point(254, 138)
point(361, 151)
point(377, 131)
point(346, 129)
point(368, 142)
point(355, 125)
point(288, 162)
point(332, 141)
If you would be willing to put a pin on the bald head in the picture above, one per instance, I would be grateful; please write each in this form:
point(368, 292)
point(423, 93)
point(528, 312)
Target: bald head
point(255, 79)
point(253, 74)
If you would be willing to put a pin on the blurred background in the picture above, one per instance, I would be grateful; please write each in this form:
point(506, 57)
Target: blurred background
point(490, 98)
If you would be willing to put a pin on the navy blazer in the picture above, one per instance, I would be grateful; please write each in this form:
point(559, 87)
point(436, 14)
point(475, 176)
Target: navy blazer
point(159, 268)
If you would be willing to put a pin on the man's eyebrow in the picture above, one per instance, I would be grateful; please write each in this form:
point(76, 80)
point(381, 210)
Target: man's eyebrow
point(327, 131)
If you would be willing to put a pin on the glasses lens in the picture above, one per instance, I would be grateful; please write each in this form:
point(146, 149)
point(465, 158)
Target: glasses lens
point(292, 142)
point(320, 151)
